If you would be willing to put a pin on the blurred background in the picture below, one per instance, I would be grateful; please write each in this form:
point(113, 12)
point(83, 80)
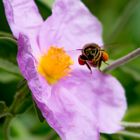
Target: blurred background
point(121, 33)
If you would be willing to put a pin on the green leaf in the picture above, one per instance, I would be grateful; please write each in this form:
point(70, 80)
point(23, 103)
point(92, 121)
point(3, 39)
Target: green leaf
point(3, 24)
point(133, 69)
point(43, 8)
point(8, 47)
point(103, 138)
point(133, 114)
point(9, 67)
point(8, 39)
point(48, 3)
point(6, 77)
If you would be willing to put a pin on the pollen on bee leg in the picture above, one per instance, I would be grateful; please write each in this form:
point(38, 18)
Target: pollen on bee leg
point(54, 64)
point(81, 61)
point(105, 56)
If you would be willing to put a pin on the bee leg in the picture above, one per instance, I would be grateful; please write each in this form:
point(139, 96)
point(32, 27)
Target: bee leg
point(89, 67)
point(99, 65)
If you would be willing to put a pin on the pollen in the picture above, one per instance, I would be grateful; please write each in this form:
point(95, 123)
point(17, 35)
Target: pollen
point(54, 65)
point(105, 56)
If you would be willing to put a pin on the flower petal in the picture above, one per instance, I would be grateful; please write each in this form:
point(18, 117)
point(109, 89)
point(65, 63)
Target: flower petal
point(111, 104)
point(71, 117)
point(102, 94)
point(64, 109)
point(22, 15)
point(27, 63)
point(71, 26)
point(24, 18)
point(71, 106)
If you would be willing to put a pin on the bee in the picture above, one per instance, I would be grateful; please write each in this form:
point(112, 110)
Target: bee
point(93, 56)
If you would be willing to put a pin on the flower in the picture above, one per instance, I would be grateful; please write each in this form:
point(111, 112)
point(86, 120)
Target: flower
point(77, 104)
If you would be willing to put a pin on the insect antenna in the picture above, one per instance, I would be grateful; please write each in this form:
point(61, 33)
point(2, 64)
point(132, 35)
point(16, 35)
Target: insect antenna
point(74, 50)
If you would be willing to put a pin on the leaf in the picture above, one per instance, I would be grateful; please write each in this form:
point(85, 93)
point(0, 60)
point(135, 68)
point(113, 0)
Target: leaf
point(48, 3)
point(9, 67)
point(43, 8)
point(8, 47)
point(133, 68)
point(133, 114)
point(6, 77)
point(6, 38)
point(3, 24)
point(7, 52)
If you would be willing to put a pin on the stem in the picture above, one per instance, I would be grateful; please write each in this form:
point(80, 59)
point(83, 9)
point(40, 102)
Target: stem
point(123, 60)
point(8, 38)
point(6, 127)
point(131, 124)
point(122, 20)
point(19, 98)
point(5, 114)
point(129, 134)
point(7, 121)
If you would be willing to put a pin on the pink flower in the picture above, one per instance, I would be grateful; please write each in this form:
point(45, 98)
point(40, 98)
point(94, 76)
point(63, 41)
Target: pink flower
point(77, 104)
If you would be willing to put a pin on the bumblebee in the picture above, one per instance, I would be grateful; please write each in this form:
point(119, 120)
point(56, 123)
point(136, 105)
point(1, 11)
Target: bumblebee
point(92, 56)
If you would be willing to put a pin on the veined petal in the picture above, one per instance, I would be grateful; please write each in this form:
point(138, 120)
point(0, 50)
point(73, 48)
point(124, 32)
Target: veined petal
point(65, 110)
point(23, 16)
point(111, 104)
point(102, 92)
point(70, 116)
point(71, 26)
point(28, 67)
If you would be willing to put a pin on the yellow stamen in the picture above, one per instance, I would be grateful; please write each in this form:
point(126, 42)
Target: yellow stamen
point(54, 65)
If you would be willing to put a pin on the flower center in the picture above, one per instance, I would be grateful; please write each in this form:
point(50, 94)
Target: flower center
point(54, 65)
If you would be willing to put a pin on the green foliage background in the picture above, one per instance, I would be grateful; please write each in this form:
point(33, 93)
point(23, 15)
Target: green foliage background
point(121, 33)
